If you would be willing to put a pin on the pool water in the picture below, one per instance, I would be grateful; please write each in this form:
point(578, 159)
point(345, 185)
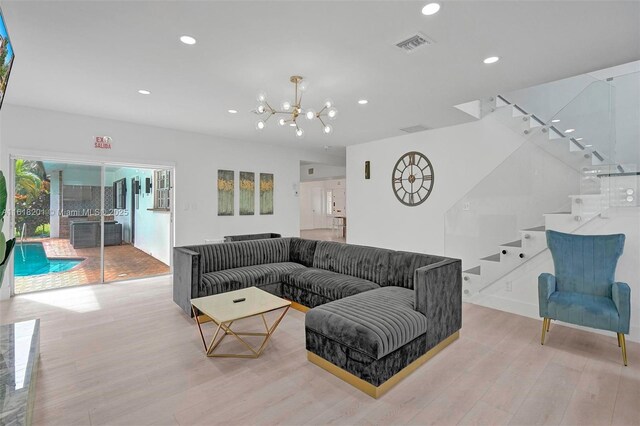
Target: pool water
point(31, 259)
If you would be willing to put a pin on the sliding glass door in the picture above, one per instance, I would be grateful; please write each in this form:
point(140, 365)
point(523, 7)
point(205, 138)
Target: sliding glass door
point(57, 225)
point(78, 224)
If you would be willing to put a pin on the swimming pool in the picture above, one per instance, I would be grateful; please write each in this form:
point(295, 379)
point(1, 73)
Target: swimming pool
point(31, 259)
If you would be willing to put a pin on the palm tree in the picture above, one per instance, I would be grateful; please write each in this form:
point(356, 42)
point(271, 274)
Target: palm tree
point(28, 178)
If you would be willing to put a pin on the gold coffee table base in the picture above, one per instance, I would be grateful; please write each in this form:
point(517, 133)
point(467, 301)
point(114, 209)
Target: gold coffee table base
point(225, 328)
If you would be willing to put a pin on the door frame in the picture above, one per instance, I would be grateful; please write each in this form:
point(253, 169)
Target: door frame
point(14, 154)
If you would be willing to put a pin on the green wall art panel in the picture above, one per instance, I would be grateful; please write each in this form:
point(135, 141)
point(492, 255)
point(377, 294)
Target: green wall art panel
point(225, 192)
point(266, 193)
point(247, 193)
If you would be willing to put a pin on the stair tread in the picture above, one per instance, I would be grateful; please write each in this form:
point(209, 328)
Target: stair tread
point(559, 213)
point(492, 258)
point(537, 228)
point(516, 243)
point(474, 271)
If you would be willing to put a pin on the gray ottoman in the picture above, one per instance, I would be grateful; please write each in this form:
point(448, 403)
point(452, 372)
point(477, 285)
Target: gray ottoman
point(371, 340)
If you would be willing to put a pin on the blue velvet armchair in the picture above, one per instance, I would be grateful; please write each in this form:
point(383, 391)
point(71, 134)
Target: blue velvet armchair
point(583, 290)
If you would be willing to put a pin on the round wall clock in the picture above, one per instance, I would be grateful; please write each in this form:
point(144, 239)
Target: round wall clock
point(412, 178)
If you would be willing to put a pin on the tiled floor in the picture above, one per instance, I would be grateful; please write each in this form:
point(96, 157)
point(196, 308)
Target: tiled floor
point(125, 354)
point(121, 262)
point(322, 234)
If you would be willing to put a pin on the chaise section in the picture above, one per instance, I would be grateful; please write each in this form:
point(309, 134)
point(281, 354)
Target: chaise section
point(312, 287)
point(373, 324)
point(374, 339)
point(267, 277)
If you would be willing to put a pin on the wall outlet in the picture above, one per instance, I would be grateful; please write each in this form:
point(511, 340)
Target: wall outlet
point(507, 286)
point(466, 206)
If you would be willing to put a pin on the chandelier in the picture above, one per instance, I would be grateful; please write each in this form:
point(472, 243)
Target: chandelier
point(293, 111)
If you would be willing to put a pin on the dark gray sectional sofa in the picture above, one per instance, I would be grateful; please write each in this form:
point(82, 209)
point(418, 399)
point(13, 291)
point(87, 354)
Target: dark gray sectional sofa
point(375, 314)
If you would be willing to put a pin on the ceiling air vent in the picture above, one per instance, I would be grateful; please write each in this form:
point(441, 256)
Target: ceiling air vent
point(415, 129)
point(414, 42)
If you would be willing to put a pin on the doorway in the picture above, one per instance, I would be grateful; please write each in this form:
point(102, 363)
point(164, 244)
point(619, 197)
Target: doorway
point(83, 223)
point(323, 210)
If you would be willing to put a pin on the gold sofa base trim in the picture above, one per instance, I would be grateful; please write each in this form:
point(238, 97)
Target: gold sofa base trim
point(378, 391)
point(299, 307)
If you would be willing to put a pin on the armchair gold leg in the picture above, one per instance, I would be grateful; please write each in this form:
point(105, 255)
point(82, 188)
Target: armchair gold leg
point(623, 345)
point(548, 324)
point(545, 327)
point(619, 344)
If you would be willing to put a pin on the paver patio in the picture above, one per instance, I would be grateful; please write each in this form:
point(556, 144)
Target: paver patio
point(121, 262)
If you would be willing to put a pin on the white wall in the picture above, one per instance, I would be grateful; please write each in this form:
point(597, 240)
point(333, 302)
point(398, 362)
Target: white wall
point(196, 157)
point(321, 171)
point(461, 156)
point(152, 227)
point(314, 213)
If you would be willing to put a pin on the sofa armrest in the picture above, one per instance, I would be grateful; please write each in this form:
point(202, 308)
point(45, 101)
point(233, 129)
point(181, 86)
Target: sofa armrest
point(438, 295)
point(621, 295)
point(187, 273)
point(546, 287)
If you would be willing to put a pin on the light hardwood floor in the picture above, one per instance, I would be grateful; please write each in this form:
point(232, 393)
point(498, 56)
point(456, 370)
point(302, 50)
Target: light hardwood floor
point(125, 354)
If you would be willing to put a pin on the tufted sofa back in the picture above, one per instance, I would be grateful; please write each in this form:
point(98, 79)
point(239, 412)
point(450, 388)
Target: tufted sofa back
point(218, 257)
point(368, 263)
point(403, 265)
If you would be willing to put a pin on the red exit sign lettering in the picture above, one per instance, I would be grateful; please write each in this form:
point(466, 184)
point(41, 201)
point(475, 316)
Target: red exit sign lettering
point(102, 142)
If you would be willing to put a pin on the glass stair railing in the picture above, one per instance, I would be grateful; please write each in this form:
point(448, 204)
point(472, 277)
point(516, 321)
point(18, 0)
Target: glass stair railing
point(572, 167)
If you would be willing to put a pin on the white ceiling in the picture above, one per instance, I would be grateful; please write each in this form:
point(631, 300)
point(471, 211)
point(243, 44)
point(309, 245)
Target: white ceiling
point(92, 57)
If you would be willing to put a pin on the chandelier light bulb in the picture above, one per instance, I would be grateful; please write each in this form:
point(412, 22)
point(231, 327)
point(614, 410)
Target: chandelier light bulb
point(293, 124)
point(260, 125)
point(327, 129)
point(261, 109)
point(629, 199)
point(328, 103)
point(303, 86)
point(629, 191)
point(262, 96)
point(299, 132)
point(286, 106)
point(332, 113)
point(311, 114)
point(282, 122)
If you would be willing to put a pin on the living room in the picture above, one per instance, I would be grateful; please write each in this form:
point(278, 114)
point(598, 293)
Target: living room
point(468, 133)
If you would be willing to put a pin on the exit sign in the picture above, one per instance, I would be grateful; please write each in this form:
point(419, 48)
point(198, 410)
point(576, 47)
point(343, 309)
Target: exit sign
point(102, 142)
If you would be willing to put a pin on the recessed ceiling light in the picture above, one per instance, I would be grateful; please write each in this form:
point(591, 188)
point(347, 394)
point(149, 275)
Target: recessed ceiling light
point(557, 120)
point(363, 101)
point(431, 9)
point(570, 130)
point(491, 60)
point(232, 111)
point(188, 39)
point(144, 92)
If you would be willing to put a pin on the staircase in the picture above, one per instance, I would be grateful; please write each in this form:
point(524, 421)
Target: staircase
point(604, 183)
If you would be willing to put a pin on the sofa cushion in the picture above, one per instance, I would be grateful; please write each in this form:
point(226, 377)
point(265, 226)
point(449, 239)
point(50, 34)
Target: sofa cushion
point(247, 276)
point(218, 257)
point(584, 309)
point(402, 267)
point(368, 263)
point(375, 322)
point(330, 285)
point(302, 251)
